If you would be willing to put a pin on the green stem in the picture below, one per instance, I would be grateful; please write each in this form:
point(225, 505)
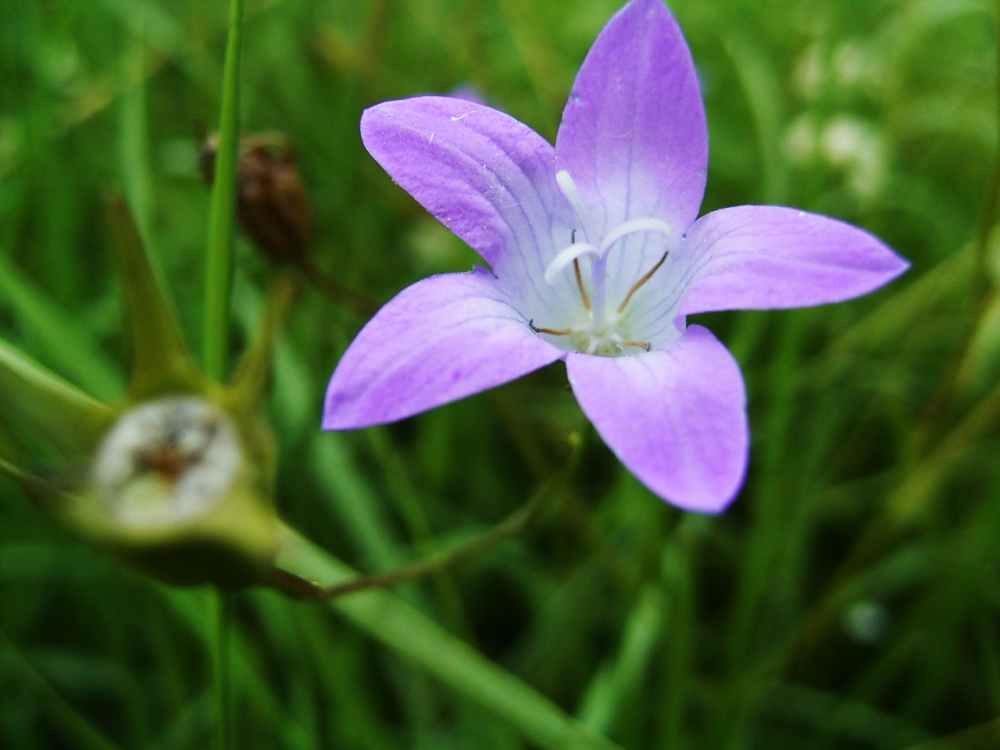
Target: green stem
point(223, 210)
point(443, 656)
point(218, 278)
point(300, 588)
point(513, 525)
point(983, 298)
point(408, 501)
point(62, 715)
point(993, 194)
point(221, 680)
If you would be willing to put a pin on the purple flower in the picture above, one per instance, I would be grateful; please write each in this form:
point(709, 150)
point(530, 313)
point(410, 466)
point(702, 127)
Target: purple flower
point(598, 257)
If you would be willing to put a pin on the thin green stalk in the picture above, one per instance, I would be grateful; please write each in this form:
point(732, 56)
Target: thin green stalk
point(993, 194)
point(982, 295)
point(61, 714)
point(223, 211)
point(221, 678)
point(443, 656)
point(300, 588)
point(215, 342)
point(410, 506)
point(134, 140)
point(618, 680)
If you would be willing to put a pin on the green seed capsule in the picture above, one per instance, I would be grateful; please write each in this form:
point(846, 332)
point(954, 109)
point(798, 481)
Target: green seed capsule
point(172, 492)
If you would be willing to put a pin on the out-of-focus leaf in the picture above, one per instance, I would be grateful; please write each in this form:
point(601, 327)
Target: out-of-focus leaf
point(67, 344)
point(458, 665)
point(63, 415)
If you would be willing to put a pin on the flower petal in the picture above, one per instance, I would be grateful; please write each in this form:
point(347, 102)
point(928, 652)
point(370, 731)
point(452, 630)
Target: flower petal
point(769, 257)
point(676, 417)
point(442, 339)
point(633, 134)
point(475, 168)
point(491, 180)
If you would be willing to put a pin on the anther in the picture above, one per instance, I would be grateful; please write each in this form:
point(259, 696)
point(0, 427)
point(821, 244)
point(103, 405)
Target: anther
point(579, 283)
point(643, 280)
point(641, 344)
point(550, 331)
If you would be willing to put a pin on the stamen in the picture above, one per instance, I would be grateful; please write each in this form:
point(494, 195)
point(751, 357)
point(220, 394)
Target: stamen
point(565, 257)
point(643, 280)
point(570, 191)
point(641, 344)
point(631, 227)
point(550, 331)
point(579, 283)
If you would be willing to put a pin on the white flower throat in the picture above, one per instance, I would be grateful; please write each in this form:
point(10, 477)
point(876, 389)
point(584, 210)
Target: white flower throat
point(603, 332)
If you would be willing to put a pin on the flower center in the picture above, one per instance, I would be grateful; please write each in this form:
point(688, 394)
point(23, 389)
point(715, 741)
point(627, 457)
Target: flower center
point(166, 462)
point(603, 332)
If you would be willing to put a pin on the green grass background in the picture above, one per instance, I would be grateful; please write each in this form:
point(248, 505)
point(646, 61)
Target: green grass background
point(850, 598)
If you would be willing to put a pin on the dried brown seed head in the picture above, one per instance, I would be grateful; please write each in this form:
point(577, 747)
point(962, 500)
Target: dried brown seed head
point(272, 204)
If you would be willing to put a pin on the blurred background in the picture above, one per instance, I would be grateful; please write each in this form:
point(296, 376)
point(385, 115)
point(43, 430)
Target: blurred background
point(850, 598)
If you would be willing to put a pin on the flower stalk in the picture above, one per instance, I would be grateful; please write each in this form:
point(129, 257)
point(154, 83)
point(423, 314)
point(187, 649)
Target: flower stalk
point(299, 588)
point(215, 340)
point(221, 226)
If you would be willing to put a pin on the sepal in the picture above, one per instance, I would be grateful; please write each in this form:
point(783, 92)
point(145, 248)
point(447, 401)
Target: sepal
point(161, 361)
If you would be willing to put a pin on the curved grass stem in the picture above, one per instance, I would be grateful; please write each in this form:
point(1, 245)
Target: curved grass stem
point(221, 676)
point(983, 296)
point(300, 588)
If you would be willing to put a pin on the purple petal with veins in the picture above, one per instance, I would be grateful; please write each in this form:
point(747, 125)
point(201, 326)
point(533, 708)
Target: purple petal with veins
point(675, 417)
point(442, 339)
point(769, 257)
point(597, 257)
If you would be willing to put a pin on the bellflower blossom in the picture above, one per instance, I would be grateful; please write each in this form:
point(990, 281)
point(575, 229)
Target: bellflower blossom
point(597, 257)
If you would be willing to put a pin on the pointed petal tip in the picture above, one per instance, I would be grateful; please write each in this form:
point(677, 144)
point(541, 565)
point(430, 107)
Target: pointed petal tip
point(645, 7)
point(638, 79)
point(711, 500)
point(709, 504)
point(776, 257)
point(438, 341)
point(340, 416)
point(902, 265)
point(484, 175)
point(332, 422)
point(675, 417)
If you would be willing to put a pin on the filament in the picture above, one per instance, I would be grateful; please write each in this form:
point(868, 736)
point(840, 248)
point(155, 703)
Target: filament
point(643, 280)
